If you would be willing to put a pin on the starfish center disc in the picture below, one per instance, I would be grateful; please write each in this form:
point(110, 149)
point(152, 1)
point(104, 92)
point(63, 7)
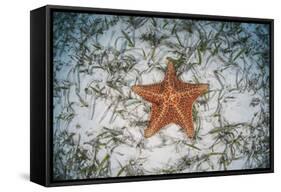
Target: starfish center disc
point(173, 99)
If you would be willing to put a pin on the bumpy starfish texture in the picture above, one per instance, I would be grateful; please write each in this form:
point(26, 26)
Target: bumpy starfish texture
point(172, 102)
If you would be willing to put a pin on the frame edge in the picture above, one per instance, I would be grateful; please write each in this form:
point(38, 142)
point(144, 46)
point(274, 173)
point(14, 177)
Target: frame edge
point(37, 96)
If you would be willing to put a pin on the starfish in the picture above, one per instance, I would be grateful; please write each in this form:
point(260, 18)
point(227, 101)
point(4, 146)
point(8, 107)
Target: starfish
point(172, 102)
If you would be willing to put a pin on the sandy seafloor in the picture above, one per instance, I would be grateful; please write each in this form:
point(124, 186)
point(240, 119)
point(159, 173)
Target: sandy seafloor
point(229, 100)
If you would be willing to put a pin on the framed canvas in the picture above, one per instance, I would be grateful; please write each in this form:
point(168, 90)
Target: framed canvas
point(119, 95)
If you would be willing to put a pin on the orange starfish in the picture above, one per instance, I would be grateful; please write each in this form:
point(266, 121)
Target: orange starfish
point(172, 102)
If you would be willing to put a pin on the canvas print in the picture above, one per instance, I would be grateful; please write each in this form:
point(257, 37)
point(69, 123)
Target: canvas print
point(137, 95)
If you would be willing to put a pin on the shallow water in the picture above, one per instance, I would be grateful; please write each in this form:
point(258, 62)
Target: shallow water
point(99, 122)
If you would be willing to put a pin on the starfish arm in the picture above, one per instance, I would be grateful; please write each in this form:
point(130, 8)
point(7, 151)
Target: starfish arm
point(170, 76)
point(194, 91)
point(185, 119)
point(151, 93)
point(182, 86)
point(158, 121)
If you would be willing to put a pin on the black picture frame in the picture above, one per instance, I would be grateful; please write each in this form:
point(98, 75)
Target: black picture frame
point(41, 95)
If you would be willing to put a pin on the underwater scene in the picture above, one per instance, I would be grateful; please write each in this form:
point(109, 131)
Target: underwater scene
point(99, 119)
